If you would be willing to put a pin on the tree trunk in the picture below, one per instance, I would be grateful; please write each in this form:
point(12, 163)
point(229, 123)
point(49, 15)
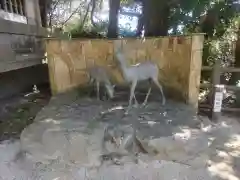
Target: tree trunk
point(43, 12)
point(237, 61)
point(236, 76)
point(114, 6)
point(156, 17)
point(140, 25)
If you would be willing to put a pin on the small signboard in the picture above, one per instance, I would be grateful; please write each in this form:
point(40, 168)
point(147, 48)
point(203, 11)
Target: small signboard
point(218, 101)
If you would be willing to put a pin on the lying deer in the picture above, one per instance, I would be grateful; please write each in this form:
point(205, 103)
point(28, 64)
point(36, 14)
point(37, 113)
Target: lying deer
point(142, 71)
point(100, 75)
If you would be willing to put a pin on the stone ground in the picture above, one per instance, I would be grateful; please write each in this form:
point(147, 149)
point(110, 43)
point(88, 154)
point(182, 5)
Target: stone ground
point(19, 111)
point(64, 142)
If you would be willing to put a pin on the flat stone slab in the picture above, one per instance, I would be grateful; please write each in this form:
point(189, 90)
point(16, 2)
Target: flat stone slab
point(65, 140)
point(64, 123)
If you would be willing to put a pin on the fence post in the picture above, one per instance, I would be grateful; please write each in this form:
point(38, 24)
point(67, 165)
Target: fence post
point(217, 91)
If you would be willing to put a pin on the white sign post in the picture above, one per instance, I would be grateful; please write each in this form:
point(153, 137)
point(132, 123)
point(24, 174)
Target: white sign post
point(218, 98)
point(218, 102)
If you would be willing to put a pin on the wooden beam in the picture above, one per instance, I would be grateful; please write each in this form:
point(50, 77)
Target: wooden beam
point(228, 87)
point(222, 69)
point(225, 109)
point(206, 85)
point(230, 69)
point(231, 109)
point(207, 68)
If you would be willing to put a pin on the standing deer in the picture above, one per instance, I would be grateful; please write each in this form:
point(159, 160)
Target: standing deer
point(100, 75)
point(139, 72)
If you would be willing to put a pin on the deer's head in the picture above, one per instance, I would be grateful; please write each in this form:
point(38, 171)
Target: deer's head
point(110, 90)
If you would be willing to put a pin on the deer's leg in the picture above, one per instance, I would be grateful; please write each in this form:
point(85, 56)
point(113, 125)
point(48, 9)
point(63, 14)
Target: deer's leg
point(146, 98)
point(98, 87)
point(91, 80)
point(132, 94)
point(136, 102)
point(155, 80)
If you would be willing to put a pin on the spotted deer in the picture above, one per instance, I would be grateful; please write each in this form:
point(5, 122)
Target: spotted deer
point(139, 72)
point(96, 73)
point(100, 75)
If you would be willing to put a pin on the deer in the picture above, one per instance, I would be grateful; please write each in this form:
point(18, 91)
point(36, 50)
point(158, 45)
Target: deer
point(142, 71)
point(100, 75)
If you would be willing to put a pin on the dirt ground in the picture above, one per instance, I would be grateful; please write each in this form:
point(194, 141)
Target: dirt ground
point(64, 142)
point(19, 111)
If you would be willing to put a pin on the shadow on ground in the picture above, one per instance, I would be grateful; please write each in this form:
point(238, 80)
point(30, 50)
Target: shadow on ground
point(19, 111)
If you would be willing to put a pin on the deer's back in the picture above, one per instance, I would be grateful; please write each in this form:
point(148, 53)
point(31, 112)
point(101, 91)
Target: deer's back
point(144, 70)
point(99, 73)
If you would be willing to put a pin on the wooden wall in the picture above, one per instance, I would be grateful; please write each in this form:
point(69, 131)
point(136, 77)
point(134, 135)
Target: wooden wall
point(178, 58)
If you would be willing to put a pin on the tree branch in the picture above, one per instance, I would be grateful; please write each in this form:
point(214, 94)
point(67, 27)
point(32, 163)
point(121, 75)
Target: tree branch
point(85, 16)
point(74, 12)
point(92, 12)
point(51, 13)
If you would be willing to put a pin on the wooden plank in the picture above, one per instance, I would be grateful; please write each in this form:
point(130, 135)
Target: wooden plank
point(230, 69)
point(228, 87)
point(225, 109)
point(234, 88)
point(207, 68)
point(222, 69)
point(205, 106)
point(205, 85)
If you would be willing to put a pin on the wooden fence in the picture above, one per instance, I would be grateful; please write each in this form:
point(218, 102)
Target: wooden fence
point(178, 58)
point(217, 71)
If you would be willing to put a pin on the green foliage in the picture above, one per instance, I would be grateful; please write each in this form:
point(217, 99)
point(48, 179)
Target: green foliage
point(78, 31)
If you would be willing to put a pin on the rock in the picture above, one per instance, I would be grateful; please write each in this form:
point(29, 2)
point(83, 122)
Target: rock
point(78, 148)
point(192, 151)
point(199, 161)
point(197, 142)
point(168, 149)
point(154, 170)
point(55, 144)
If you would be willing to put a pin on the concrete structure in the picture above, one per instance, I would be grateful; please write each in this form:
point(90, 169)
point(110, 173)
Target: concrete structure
point(21, 46)
point(179, 59)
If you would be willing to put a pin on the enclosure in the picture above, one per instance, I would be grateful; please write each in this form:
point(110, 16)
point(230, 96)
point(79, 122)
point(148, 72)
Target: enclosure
point(67, 136)
point(178, 58)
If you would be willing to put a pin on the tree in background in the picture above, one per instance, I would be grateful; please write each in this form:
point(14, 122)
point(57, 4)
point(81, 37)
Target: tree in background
point(114, 6)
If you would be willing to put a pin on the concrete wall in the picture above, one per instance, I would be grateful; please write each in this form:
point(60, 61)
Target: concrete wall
point(21, 38)
point(179, 60)
point(21, 50)
point(21, 45)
